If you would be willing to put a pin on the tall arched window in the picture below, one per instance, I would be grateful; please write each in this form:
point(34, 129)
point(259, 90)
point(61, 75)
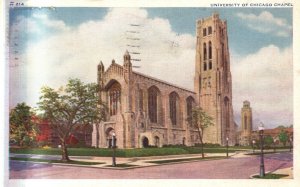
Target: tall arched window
point(227, 112)
point(209, 30)
point(209, 50)
point(189, 105)
point(245, 122)
point(141, 100)
point(204, 32)
point(204, 51)
point(152, 103)
point(205, 66)
point(174, 108)
point(210, 64)
point(114, 98)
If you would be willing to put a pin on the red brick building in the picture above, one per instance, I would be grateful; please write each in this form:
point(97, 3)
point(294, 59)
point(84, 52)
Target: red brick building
point(81, 136)
point(274, 133)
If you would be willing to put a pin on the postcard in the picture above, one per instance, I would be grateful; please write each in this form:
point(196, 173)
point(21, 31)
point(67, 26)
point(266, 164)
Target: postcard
point(101, 91)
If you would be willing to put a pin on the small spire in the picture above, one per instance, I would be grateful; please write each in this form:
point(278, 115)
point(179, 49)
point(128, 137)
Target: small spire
point(113, 61)
point(126, 56)
point(246, 103)
point(216, 14)
point(100, 66)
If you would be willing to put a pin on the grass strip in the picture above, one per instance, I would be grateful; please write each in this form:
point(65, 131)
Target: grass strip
point(184, 159)
point(270, 176)
point(56, 161)
point(104, 152)
point(272, 152)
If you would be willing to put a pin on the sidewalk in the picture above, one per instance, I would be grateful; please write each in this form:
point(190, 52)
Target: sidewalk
point(285, 171)
point(133, 162)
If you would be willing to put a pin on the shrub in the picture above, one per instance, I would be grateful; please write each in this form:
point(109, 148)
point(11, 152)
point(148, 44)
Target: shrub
point(174, 146)
point(42, 143)
point(151, 146)
point(208, 145)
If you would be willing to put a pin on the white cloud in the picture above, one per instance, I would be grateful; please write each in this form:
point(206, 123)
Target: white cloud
point(265, 78)
point(265, 22)
point(76, 52)
point(39, 24)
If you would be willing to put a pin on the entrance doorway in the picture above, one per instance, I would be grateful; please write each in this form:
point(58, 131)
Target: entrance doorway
point(156, 139)
point(109, 131)
point(145, 142)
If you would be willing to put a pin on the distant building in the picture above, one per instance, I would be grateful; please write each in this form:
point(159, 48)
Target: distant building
point(246, 121)
point(144, 110)
point(246, 135)
point(273, 133)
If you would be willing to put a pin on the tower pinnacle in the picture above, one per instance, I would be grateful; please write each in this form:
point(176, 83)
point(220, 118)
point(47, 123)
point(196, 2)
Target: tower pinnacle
point(127, 57)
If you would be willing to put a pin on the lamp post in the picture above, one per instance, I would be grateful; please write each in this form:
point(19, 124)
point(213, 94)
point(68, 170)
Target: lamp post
point(291, 143)
point(227, 146)
point(114, 150)
point(253, 144)
point(262, 165)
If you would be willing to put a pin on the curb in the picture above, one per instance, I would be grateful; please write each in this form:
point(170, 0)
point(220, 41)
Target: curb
point(252, 176)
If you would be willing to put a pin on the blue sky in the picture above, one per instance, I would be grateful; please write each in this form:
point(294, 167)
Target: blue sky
point(48, 46)
point(242, 40)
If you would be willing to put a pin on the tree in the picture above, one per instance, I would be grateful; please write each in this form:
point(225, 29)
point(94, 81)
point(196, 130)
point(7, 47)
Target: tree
point(283, 137)
point(76, 104)
point(200, 120)
point(22, 130)
point(268, 140)
point(281, 127)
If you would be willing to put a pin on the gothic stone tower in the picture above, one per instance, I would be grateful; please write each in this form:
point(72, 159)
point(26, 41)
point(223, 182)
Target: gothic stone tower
point(246, 116)
point(213, 85)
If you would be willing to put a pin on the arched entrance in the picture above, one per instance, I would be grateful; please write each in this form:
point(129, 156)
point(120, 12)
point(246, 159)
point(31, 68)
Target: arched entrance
point(156, 141)
point(183, 141)
point(108, 134)
point(145, 142)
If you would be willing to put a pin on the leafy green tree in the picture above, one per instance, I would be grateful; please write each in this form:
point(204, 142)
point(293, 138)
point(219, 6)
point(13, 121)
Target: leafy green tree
point(283, 137)
point(268, 140)
point(281, 127)
point(22, 130)
point(200, 120)
point(76, 104)
point(257, 143)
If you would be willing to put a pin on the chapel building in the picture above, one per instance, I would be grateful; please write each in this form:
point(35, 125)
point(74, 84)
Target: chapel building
point(145, 111)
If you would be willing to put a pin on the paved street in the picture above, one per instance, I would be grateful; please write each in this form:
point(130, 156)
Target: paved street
point(233, 168)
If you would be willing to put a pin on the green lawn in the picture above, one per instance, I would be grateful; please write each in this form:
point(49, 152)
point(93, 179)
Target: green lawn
point(257, 152)
point(142, 152)
point(55, 161)
point(270, 176)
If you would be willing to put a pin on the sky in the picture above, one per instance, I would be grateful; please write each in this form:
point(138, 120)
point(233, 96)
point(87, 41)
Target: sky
point(50, 45)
